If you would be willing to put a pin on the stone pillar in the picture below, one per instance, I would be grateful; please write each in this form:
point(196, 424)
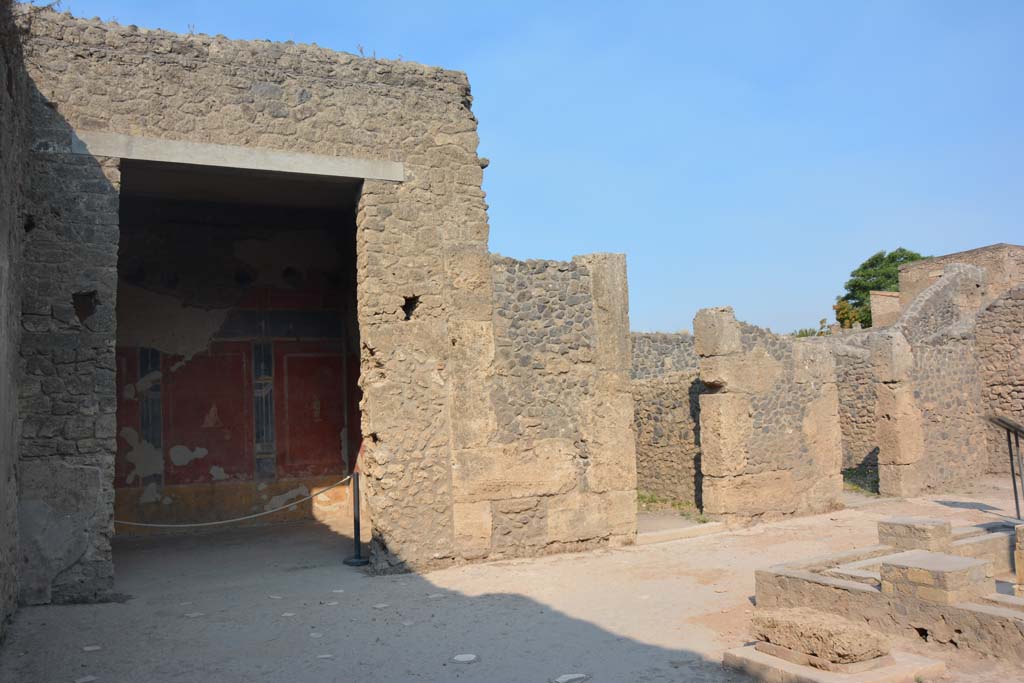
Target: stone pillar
point(900, 429)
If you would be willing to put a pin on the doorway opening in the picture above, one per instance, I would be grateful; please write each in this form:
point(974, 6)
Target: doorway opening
point(237, 345)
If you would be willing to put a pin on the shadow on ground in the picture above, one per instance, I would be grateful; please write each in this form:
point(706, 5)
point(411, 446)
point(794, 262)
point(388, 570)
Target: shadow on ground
point(275, 603)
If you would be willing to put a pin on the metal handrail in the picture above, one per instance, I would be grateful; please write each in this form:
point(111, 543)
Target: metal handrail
point(1014, 430)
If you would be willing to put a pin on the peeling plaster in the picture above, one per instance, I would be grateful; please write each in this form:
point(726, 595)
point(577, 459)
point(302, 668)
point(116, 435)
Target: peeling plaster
point(132, 391)
point(147, 459)
point(158, 321)
point(150, 494)
point(218, 473)
point(182, 455)
point(278, 501)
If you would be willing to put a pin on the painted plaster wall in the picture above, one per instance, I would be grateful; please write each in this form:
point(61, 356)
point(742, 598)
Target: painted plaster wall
point(13, 152)
point(666, 416)
point(203, 288)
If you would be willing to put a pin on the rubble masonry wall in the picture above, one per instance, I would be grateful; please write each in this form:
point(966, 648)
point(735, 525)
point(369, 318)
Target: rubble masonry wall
point(769, 422)
point(1000, 348)
point(666, 416)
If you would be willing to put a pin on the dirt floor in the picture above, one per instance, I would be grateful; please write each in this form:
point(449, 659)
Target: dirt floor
point(276, 604)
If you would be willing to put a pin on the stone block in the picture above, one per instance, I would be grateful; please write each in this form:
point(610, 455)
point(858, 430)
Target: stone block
point(473, 524)
point(766, 668)
point(716, 332)
point(763, 493)
point(935, 577)
point(725, 429)
point(752, 373)
point(829, 637)
point(542, 468)
point(915, 533)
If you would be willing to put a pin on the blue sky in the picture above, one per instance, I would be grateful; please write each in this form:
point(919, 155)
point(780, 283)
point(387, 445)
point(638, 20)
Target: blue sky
point(748, 154)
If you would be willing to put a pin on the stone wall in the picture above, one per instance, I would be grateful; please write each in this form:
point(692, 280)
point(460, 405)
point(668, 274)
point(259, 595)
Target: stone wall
point(666, 416)
point(769, 424)
point(855, 384)
point(557, 471)
point(13, 152)
point(1003, 265)
point(1000, 340)
point(425, 290)
point(930, 418)
point(885, 308)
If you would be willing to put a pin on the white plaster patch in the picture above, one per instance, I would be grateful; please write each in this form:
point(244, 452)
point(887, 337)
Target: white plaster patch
point(128, 393)
point(284, 498)
point(218, 473)
point(325, 656)
point(91, 648)
point(146, 459)
point(150, 494)
point(182, 455)
point(160, 321)
point(178, 366)
point(464, 659)
point(167, 500)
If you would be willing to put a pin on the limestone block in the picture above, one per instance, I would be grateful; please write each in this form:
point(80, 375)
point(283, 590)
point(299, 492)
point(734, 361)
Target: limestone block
point(606, 426)
point(823, 436)
point(576, 516)
point(472, 413)
point(472, 523)
point(716, 332)
point(813, 361)
point(891, 357)
point(753, 372)
point(935, 577)
point(542, 468)
point(1018, 556)
point(725, 427)
point(827, 636)
point(915, 533)
point(752, 494)
point(610, 293)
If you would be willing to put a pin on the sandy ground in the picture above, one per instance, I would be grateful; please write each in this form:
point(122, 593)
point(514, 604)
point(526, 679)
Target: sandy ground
point(275, 604)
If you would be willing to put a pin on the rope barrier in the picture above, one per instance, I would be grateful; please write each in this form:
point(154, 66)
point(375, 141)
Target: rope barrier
point(236, 519)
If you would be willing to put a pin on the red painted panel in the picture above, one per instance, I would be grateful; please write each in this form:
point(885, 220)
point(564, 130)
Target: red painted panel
point(309, 409)
point(208, 404)
point(127, 410)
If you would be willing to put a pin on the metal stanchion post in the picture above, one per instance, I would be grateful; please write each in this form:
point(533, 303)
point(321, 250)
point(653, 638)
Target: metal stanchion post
point(357, 559)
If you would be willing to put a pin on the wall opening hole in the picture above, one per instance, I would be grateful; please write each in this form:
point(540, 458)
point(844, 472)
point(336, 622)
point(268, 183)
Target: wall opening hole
point(30, 223)
point(923, 632)
point(85, 304)
point(409, 307)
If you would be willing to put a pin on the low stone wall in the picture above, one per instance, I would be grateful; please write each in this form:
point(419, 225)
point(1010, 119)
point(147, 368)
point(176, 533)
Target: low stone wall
point(769, 424)
point(13, 151)
point(1000, 347)
point(666, 416)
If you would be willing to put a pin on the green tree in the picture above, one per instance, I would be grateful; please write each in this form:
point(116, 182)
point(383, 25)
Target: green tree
point(881, 272)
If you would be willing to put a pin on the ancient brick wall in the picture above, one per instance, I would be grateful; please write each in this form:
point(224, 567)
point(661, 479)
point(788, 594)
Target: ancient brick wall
point(930, 416)
point(666, 416)
point(1000, 348)
point(557, 470)
point(13, 152)
point(769, 423)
